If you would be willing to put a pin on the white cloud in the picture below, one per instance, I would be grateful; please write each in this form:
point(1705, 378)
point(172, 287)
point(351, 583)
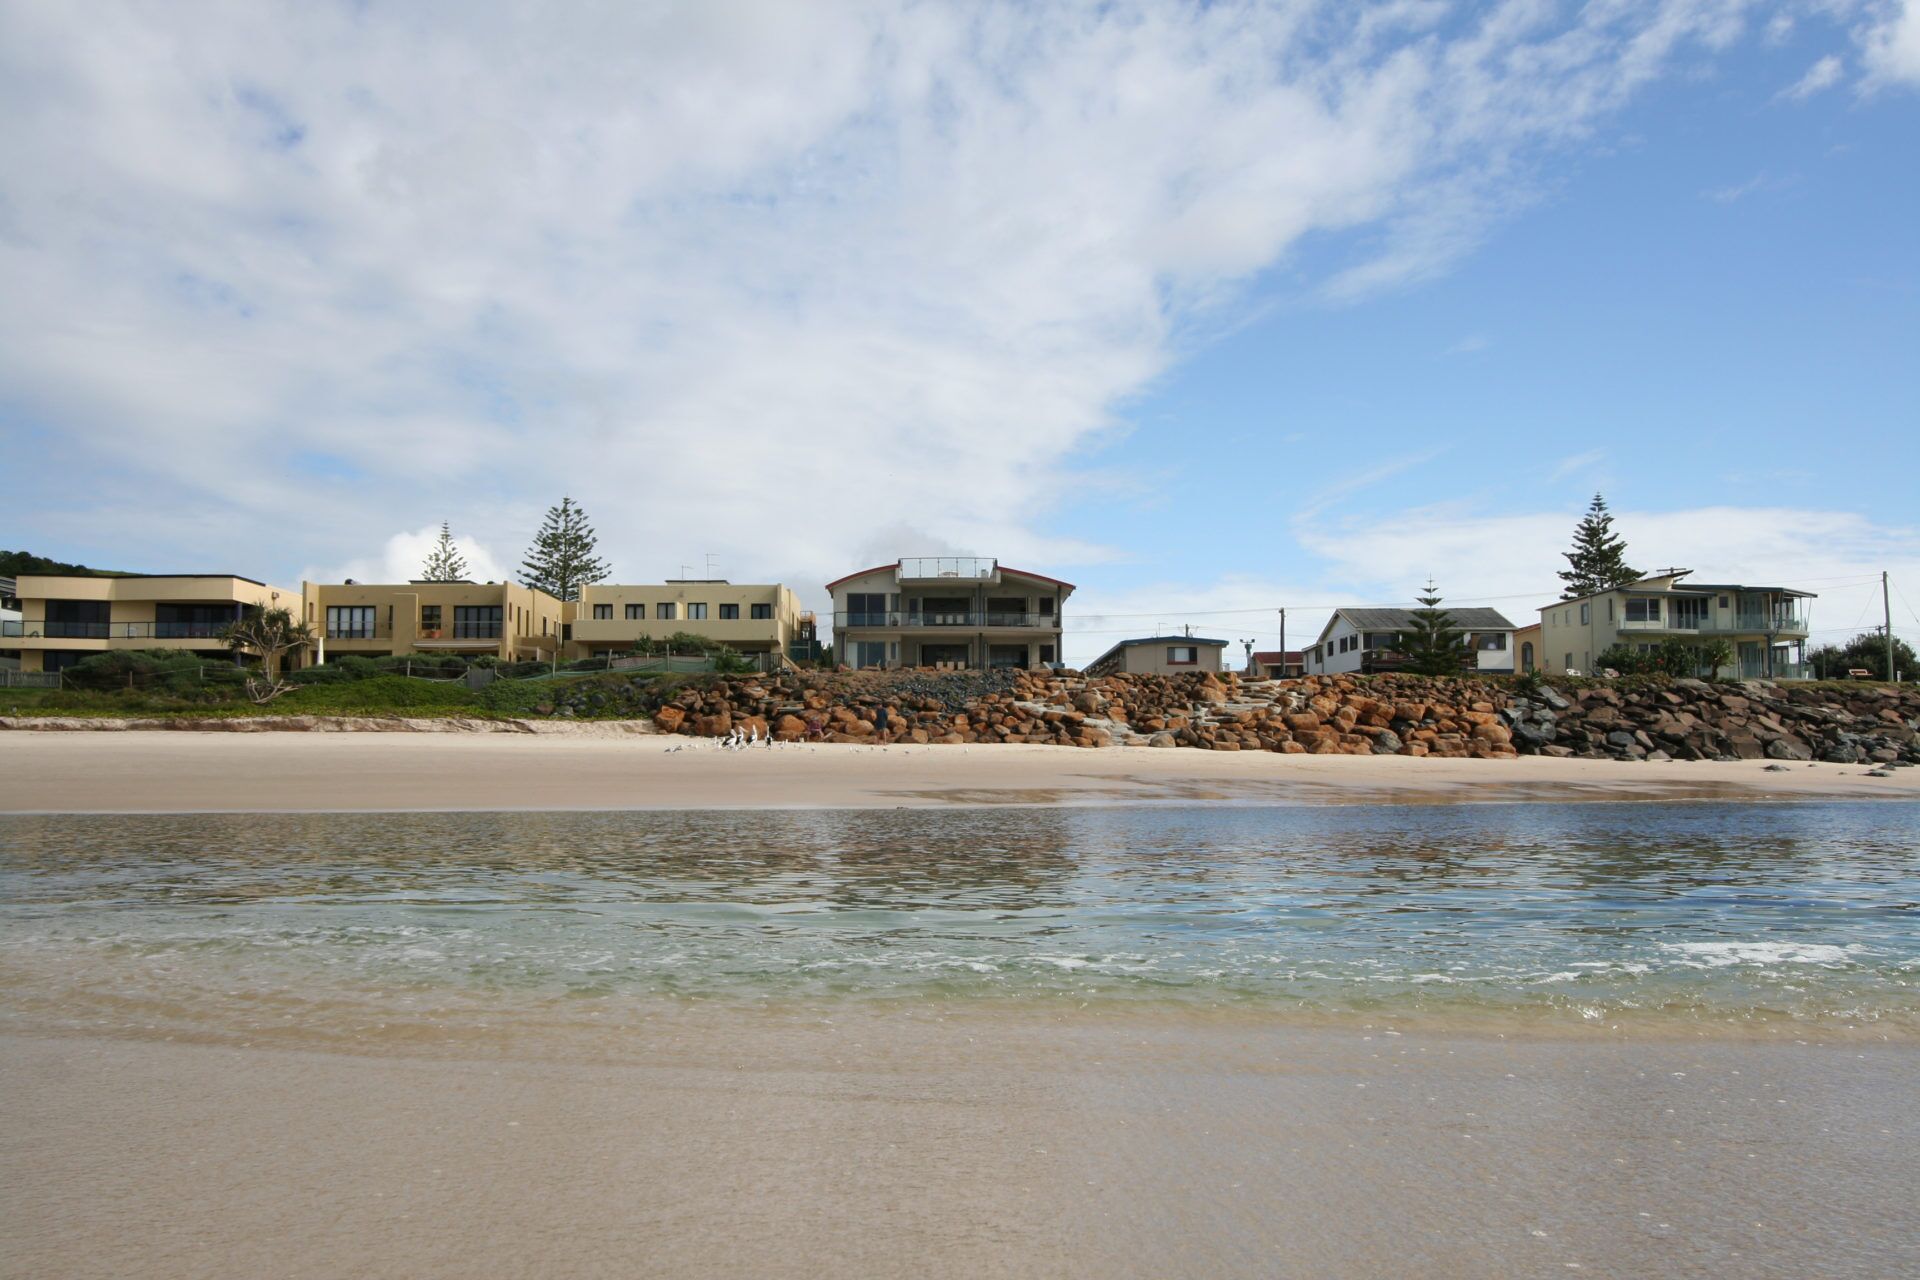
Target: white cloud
point(1890, 46)
point(405, 555)
point(750, 279)
point(1822, 75)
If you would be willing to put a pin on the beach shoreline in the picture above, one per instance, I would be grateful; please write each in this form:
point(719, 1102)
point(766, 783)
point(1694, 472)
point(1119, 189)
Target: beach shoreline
point(215, 772)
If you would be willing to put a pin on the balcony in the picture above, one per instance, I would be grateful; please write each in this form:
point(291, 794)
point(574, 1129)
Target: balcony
point(121, 630)
point(1739, 624)
point(948, 569)
point(944, 619)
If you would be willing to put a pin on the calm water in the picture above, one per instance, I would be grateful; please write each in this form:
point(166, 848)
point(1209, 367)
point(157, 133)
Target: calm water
point(1579, 913)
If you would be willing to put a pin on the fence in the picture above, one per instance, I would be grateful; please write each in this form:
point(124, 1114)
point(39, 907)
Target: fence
point(29, 679)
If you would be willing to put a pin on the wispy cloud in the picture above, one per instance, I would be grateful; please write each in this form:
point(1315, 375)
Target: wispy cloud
point(1578, 462)
point(1821, 76)
point(1759, 182)
point(1339, 491)
point(1468, 345)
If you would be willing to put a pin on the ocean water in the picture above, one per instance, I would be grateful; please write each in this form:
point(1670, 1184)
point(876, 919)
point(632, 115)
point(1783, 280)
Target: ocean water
point(1796, 914)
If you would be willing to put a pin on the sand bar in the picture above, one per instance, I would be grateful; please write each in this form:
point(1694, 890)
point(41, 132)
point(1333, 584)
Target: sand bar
point(596, 768)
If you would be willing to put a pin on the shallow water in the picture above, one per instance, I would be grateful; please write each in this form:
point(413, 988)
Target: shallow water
point(1785, 913)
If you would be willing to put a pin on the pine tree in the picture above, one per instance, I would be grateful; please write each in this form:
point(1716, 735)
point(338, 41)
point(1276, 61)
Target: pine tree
point(561, 559)
point(1434, 645)
point(444, 562)
point(1598, 560)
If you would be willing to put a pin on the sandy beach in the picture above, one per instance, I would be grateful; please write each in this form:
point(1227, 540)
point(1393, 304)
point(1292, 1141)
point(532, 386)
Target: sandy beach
point(958, 1143)
point(604, 768)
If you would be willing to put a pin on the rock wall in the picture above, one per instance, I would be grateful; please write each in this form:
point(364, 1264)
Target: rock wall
point(1378, 715)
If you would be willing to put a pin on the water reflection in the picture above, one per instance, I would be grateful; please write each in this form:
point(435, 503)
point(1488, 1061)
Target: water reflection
point(1802, 910)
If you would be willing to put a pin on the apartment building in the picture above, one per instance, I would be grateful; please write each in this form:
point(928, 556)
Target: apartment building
point(11, 625)
point(1369, 640)
point(967, 612)
point(1161, 656)
point(758, 619)
point(1766, 627)
point(64, 618)
point(369, 620)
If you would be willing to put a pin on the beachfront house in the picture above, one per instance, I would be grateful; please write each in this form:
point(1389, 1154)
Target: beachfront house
point(63, 618)
point(1274, 664)
point(1366, 641)
point(968, 612)
point(761, 620)
point(1765, 627)
point(471, 619)
point(1526, 649)
point(1160, 656)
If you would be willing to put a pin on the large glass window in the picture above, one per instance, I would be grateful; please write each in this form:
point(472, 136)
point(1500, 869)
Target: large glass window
point(350, 621)
point(1643, 608)
point(866, 609)
point(477, 621)
point(192, 621)
point(77, 619)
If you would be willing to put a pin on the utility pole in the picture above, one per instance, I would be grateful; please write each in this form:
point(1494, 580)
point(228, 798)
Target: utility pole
point(1886, 605)
point(1283, 645)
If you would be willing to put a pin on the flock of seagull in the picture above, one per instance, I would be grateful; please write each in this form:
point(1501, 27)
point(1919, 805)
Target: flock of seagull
point(741, 741)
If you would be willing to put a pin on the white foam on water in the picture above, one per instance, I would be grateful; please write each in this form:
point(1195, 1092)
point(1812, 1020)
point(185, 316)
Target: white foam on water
point(1716, 955)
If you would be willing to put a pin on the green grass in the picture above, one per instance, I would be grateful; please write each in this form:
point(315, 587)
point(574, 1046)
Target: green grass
point(384, 695)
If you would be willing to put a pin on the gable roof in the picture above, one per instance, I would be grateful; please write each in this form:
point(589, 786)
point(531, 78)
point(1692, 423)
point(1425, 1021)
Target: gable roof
point(1403, 620)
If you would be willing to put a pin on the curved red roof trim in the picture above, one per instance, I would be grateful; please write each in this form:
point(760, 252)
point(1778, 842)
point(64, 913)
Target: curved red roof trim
point(1005, 568)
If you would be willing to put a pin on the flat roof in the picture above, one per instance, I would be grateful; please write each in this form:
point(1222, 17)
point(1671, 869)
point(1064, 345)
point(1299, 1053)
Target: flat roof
point(1003, 568)
point(111, 577)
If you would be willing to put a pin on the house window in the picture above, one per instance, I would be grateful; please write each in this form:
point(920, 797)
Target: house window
point(866, 609)
point(603, 613)
point(1584, 619)
point(477, 621)
point(1046, 606)
point(1046, 653)
point(761, 612)
point(429, 617)
point(1183, 655)
point(1491, 642)
point(664, 611)
point(696, 613)
point(1569, 663)
point(636, 613)
point(1725, 601)
point(1643, 609)
point(1609, 608)
point(350, 621)
point(731, 612)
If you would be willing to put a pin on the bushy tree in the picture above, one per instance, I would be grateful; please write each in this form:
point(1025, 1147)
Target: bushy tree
point(561, 559)
point(1598, 561)
point(444, 562)
point(1434, 644)
point(1865, 652)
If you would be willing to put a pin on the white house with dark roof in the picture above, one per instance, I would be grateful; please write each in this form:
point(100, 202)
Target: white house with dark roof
point(1369, 640)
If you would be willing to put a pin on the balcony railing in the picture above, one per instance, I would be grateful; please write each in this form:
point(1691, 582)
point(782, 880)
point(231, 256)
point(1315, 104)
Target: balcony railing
point(951, 568)
point(11, 628)
point(1742, 624)
point(943, 619)
point(120, 630)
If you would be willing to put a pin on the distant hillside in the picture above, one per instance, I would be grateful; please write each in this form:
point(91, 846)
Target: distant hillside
point(15, 563)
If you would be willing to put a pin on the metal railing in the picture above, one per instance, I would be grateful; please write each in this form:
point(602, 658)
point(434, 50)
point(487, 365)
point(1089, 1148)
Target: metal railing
point(920, 568)
point(117, 630)
point(30, 679)
point(477, 630)
point(1742, 624)
point(917, 620)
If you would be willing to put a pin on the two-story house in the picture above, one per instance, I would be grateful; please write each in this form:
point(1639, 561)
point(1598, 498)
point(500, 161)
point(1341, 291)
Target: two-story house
point(944, 611)
point(1766, 627)
point(764, 619)
point(64, 618)
point(373, 620)
point(1369, 640)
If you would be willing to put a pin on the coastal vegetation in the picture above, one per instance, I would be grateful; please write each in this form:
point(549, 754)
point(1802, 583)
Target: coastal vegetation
point(1598, 561)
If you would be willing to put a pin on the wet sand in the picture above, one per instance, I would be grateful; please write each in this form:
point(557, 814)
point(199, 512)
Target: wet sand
point(184, 772)
point(957, 1142)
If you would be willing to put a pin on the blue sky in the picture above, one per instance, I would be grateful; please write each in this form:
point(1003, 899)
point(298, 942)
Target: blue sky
point(1208, 310)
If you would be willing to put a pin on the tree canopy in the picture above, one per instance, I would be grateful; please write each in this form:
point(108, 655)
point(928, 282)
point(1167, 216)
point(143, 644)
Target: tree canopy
point(1598, 561)
point(1434, 644)
point(1865, 652)
point(561, 559)
point(444, 562)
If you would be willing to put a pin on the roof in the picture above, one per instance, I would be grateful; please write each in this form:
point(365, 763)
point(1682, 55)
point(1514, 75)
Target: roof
point(1673, 586)
point(1004, 568)
point(1403, 619)
point(116, 577)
